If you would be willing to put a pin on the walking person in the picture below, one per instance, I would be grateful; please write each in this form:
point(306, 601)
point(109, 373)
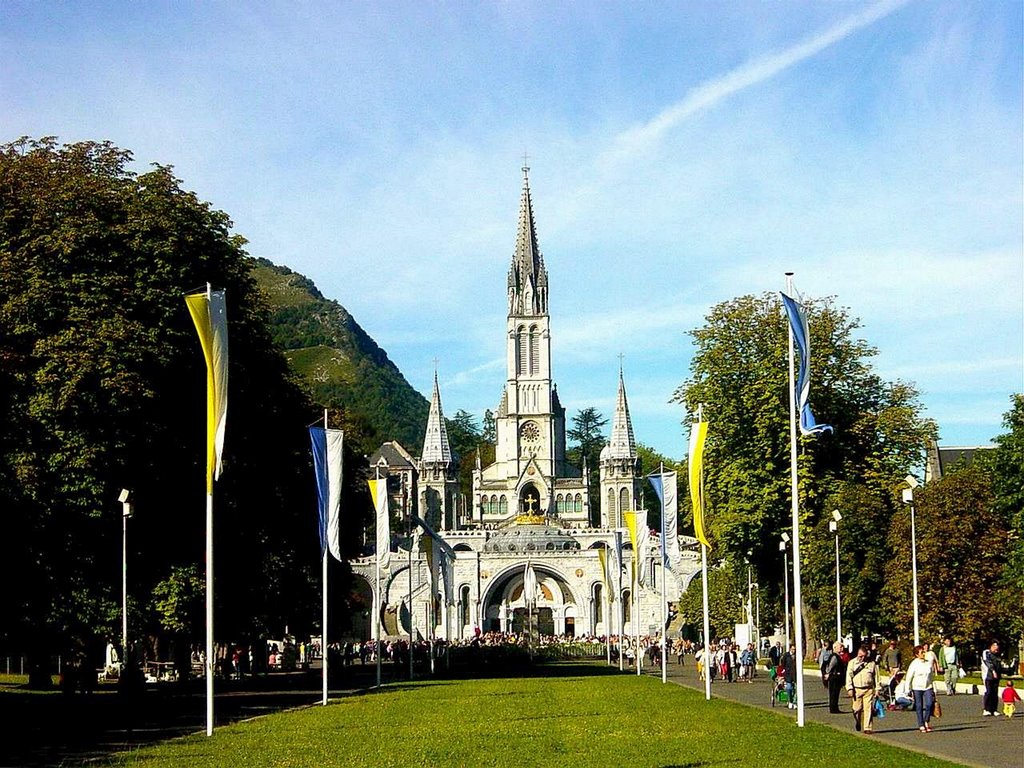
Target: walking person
point(790, 664)
point(949, 663)
point(892, 659)
point(775, 653)
point(921, 679)
point(991, 672)
point(834, 677)
point(862, 684)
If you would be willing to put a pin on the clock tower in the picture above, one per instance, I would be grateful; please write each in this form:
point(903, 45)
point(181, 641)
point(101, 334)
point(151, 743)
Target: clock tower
point(529, 465)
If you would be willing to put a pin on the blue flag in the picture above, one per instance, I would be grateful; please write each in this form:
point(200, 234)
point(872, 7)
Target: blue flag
point(665, 486)
point(801, 335)
point(327, 453)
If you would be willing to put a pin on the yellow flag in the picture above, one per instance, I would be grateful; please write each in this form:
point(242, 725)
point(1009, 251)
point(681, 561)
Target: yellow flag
point(602, 557)
point(209, 313)
point(632, 519)
point(379, 492)
point(698, 434)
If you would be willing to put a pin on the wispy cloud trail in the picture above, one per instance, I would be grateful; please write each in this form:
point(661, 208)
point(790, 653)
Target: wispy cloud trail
point(709, 94)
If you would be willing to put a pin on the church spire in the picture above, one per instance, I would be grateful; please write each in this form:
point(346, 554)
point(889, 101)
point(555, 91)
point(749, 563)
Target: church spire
point(527, 277)
point(622, 444)
point(435, 443)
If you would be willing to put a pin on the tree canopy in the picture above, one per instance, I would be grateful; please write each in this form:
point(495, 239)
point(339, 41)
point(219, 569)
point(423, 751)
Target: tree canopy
point(739, 374)
point(102, 385)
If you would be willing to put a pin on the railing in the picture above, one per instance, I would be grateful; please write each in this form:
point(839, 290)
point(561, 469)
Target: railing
point(18, 665)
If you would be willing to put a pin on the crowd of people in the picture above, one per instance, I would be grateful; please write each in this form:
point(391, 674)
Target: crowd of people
point(726, 661)
point(878, 680)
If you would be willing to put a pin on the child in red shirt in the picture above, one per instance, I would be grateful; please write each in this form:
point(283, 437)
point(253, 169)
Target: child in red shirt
point(1010, 698)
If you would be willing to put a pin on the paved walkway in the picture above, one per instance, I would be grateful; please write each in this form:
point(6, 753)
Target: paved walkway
point(961, 734)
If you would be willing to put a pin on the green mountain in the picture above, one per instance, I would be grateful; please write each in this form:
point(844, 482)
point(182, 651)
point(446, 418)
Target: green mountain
point(341, 367)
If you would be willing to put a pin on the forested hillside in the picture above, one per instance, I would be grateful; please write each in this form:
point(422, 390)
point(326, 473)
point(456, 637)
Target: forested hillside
point(340, 366)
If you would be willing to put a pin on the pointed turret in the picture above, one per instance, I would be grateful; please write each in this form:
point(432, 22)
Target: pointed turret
point(622, 444)
point(435, 443)
point(438, 479)
point(527, 277)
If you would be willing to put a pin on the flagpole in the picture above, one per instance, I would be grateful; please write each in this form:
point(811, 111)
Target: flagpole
point(707, 620)
point(377, 597)
point(704, 578)
point(620, 610)
point(607, 625)
point(636, 607)
point(664, 607)
point(323, 623)
point(794, 491)
point(410, 599)
point(209, 612)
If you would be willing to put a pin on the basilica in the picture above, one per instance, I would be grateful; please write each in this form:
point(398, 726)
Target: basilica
point(529, 510)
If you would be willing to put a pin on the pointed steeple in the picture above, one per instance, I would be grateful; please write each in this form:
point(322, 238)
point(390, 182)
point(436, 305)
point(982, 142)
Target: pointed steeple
point(435, 443)
point(527, 277)
point(622, 444)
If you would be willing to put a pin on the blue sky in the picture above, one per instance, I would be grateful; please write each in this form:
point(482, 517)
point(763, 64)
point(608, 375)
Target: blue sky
point(682, 153)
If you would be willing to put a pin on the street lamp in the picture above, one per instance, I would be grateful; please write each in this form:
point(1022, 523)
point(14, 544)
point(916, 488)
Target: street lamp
point(783, 547)
point(126, 512)
point(908, 498)
point(750, 602)
point(757, 619)
point(833, 525)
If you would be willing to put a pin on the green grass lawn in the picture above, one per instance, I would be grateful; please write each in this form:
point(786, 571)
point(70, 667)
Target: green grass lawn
point(574, 719)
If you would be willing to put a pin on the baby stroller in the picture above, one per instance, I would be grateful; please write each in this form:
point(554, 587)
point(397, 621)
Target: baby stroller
point(778, 685)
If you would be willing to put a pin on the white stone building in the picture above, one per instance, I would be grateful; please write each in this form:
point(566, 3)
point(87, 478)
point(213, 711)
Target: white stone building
point(529, 506)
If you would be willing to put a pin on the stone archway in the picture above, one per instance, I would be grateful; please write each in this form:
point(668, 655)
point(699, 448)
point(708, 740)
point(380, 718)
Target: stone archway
point(504, 604)
point(360, 618)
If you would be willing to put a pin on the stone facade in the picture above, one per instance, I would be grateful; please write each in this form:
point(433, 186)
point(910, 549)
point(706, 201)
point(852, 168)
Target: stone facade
point(530, 507)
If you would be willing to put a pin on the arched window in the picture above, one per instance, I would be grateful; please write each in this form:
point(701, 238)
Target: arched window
point(614, 519)
point(627, 613)
point(465, 616)
point(560, 504)
point(522, 350)
point(534, 350)
point(598, 603)
point(503, 506)
point(623, 500)
point(579, 503)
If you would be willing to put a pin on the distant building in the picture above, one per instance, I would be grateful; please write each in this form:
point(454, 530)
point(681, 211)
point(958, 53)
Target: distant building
point(529, 506)
point(940, 459)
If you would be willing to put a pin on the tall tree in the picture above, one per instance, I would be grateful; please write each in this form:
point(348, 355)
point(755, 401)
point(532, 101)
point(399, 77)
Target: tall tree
point(103, 387)
point(586, 433)
point(739, 373)
point(465, 439)
point(587, 437)
point(1005, 466)
point(961, 552)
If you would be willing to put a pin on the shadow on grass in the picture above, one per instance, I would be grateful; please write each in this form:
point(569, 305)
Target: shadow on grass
point(54, 729)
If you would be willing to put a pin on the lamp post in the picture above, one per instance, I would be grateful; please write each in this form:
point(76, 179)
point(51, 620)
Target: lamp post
point(833, 526)
point(757, 619)
point(783, 545)
point(908, 498)
point(750, 601)
point(126, 512)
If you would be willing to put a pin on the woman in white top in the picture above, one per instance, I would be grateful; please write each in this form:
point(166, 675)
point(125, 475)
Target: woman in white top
point(921, 678)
